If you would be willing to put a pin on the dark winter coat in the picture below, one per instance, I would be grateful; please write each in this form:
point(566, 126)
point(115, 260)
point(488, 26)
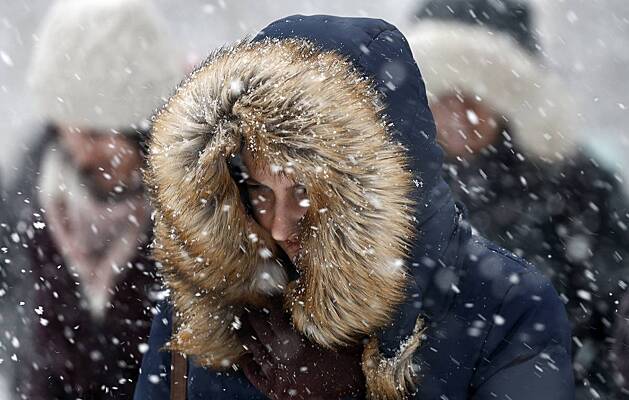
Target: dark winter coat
point(495, 327)
point(620, 353)
point(570, 219)
point(5, 243)
point(7, 278)
point(68, 353)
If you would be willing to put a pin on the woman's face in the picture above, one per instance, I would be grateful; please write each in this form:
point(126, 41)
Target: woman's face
point(278, 203)
point(107, 161)
point(464, 125)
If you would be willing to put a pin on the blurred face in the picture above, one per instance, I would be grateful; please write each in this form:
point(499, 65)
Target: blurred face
point(108, 162)
point(464, 125)
point(278, 202)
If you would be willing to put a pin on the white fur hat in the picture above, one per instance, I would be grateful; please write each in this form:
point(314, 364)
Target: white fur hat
point(102, 63)
point(458, 57)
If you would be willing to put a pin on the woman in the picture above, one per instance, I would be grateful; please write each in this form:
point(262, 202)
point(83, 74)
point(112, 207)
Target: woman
point(342, 247)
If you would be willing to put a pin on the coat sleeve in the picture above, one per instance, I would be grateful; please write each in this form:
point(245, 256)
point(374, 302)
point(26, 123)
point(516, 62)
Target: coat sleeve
point(154, 380)
point(621, 344)
point(41, 374)
point(526, 354)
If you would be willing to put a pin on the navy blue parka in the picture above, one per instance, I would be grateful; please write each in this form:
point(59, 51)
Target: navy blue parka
point(496, 328)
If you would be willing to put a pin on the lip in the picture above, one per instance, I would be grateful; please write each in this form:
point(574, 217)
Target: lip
point(291, 247)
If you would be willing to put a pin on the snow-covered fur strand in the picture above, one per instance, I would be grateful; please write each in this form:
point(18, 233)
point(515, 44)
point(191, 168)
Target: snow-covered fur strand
point(312, 115)
point(395, 378)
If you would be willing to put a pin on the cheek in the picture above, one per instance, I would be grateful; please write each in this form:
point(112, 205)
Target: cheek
point(299, 211)
point(293, 215)
point(125, 163)
point(439, 114)
point(263, 217)
point(448, 124)
point(261, 209)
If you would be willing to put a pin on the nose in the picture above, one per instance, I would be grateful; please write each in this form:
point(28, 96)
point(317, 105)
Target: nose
point(285, 222)
point(284, 225)
point(90, 153)
point(87, 155)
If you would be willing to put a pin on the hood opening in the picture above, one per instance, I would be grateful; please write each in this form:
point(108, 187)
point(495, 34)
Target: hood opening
point(239, 174)
point(299, 106)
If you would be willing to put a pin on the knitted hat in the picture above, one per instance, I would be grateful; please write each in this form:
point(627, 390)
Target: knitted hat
point(507, 17)
point(488, 49)
point(102, 63)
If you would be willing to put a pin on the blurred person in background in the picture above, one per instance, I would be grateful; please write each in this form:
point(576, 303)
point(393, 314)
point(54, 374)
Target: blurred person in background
point(620, 347)
point(12, 330)
point(514, 161)
point(99, 69)
point(6, 311)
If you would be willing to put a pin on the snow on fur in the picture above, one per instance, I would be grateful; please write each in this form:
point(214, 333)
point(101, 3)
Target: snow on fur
point(291, 105)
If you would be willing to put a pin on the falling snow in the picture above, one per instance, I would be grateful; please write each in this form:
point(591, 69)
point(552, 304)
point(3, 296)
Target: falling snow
point(564, 212)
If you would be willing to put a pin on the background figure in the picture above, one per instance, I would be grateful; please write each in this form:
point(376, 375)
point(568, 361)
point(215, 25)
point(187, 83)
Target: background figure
point(513, 160)
point(14, 291)
point(6, 312)
point(620, 349)
point(82, 219)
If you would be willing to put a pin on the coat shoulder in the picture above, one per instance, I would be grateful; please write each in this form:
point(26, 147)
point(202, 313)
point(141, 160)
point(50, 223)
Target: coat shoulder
point(509, 284)
point(504, 334)
point(154, 380)
point(527, 332)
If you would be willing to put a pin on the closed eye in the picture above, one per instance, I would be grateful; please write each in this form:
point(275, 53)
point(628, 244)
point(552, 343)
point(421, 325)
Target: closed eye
point(258, 193)
point(300, 190)
point(257, 186)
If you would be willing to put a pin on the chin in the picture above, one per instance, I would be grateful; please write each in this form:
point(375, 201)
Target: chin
point(290, 252)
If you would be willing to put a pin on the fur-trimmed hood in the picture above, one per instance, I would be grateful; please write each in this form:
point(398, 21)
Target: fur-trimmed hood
point(457, 57)
point(339, 103)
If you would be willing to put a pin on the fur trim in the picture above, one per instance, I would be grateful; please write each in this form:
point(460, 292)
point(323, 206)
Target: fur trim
point(461, 58)
point(102, 63)
point(394, 378)
point(311, 113)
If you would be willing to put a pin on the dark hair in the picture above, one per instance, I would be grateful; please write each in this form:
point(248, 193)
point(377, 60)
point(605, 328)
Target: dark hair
point(509, 17)
point(140, 137)
point(239, 173)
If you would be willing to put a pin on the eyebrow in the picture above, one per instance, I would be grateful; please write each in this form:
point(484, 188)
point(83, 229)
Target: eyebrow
point(252, 181)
